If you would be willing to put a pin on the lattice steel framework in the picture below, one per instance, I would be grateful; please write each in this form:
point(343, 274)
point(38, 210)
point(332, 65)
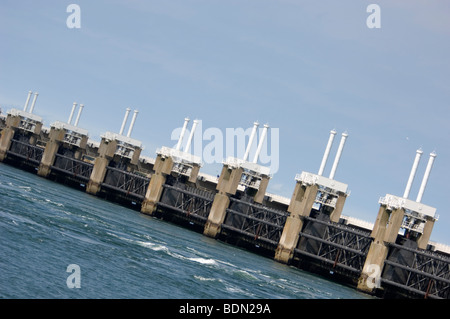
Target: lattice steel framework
point(72, 166)
point(339, 246)
point(255, 220)
point(189, 201)
point(428, 275)
point(26, 151)
point(126, 182)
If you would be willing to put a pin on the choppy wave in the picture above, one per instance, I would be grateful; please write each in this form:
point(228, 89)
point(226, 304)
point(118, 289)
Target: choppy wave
point(205, 278)
point(203, 261)
point(47, 226)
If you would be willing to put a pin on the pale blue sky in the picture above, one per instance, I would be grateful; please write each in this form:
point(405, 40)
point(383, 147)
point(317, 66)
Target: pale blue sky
point(301, 66)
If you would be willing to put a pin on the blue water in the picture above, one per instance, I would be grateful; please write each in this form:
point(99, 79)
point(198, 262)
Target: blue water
point(45, 227)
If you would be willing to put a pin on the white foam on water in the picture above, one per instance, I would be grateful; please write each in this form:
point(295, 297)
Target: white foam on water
point(237, 290)
point(152, 246)
point(205, 279)
point(203, 261)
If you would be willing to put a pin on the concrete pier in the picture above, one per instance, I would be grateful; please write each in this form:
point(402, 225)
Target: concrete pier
point(169, 161)
point(385, 231)
point(116, 150)
point(393, 224)
point(22, 127)
point(63, 139)
point(227, 186)
point(56, 137)
point(12, 123)
point(310, 190)
point(106, 152)
point(301, 204)
point(163, 167)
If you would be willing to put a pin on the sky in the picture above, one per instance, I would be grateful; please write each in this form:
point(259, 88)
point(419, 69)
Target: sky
point(303, 67)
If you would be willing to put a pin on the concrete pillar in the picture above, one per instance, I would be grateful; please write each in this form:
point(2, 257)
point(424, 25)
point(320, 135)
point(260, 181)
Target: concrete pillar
point(337, 211)
point(393, 226)
point(136, 155)
point(228, 183)
point(385, 230)
point(194, 174)
point(106, 153)
point(163, 167)
point(301, 204)
point(379, 228)
point(48, 157)
point(259, 197)
point(373, 267)
point(5, 141)
point(423, 240)
point(7, 134)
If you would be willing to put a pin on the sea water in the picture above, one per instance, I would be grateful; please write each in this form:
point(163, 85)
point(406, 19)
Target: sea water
point(58, 242)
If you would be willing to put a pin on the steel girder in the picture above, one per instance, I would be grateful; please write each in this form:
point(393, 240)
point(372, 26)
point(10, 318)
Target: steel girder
point(73, 167)
point(336, 244)
point(26, 151)
point(427, 275)
point(255, 220)
point(126, 182)
point(189, 201)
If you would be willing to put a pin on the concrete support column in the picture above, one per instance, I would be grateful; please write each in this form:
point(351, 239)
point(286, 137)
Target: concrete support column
point(301, 204)
point(423, 240)
point(194, 174)
point(97, 175)
point(135, 159)
point(385, 230)
point(216, 215)
point(337, 211)
point(5, 141)
point(163, 167)
point(227, 185)
point(395, 221)
point(373, 267)
point(259, 197)
point(106, 153)
point(48, 157)
point(7, 134)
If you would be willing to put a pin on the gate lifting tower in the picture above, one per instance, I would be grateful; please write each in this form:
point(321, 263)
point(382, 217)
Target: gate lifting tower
point(19, 137)
point(400, 235)
point(118, 156)
point(182, 164)
point(315, 197)
point(250, 177)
